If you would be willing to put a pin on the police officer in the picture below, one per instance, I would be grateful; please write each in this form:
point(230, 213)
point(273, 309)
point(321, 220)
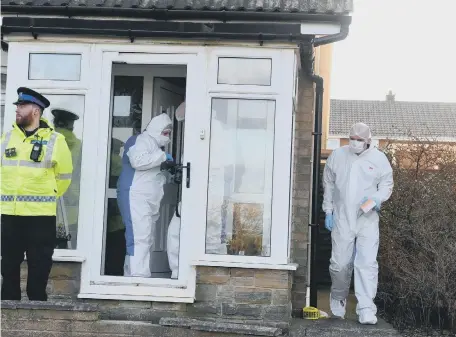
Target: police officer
point(36, 169)
point(64, 123)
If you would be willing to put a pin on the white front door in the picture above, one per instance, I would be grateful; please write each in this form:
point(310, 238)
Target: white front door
point(130, 119)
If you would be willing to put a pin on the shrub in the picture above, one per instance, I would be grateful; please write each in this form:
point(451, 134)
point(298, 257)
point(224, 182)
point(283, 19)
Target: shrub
point(417, 256)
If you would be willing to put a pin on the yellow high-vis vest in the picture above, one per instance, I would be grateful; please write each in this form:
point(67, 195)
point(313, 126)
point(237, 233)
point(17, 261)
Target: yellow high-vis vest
point(28, 187)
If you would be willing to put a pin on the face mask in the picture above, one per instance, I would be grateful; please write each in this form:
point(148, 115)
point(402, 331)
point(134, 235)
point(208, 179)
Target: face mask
point(163, 140)
point(356, 146)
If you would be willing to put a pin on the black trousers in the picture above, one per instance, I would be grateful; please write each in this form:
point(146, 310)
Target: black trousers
point(115, 253)
point(35, 236)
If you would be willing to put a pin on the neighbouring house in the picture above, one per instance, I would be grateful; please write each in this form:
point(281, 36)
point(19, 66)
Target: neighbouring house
point(392, 121)
point(248, 73)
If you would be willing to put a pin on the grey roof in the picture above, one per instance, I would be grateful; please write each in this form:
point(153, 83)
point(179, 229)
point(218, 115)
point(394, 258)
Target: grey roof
point(389, 119)
point(303, 6)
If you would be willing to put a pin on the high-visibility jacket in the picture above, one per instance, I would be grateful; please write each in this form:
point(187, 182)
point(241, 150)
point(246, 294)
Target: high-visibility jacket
point(30, 188)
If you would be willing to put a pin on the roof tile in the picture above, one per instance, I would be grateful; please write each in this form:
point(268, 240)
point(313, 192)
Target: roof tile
point(310, 6)
point(389, 119)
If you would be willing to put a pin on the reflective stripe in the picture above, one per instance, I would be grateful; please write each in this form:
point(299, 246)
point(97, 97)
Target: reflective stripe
point(50, 147)
point(66, 176)
point(7, 198)
point(36, 198)
point(29, 198)
point(6, 141)
point(5, 144)
point(8, 162)
point(26, 163)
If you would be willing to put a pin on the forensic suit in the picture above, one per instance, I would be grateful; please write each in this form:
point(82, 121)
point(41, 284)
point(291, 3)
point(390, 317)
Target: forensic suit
point(140, 191)
point(353, 174)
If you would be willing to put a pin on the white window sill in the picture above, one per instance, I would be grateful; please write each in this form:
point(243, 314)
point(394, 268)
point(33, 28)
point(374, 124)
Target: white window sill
point(64, 258)
point(68, 259)
point(289, 266)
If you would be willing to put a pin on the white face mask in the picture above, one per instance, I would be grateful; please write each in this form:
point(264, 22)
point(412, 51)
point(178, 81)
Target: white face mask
point(357, 146)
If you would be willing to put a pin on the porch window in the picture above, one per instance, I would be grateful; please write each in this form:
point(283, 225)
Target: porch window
point(58, 67)
point(249, 150)
point(68, 205)
point(239, 205)
point(60, 73)
point(244, 71)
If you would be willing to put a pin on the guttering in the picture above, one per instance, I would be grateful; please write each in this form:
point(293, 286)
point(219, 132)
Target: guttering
point(133, 34)
point(260, 32)
point(177, 14)
point(317, 133)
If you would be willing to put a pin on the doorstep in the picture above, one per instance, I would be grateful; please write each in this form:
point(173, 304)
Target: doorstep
point(64, 318)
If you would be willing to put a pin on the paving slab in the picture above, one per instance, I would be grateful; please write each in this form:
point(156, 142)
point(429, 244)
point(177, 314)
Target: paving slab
point(334, 327)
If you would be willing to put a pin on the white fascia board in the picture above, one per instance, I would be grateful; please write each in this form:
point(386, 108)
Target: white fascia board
point(320, 28)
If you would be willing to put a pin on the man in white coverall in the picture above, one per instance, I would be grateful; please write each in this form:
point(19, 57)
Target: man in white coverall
point(140, 191)
point(353, 175)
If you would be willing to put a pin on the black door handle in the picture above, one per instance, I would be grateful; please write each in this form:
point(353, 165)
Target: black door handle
point(187, 182)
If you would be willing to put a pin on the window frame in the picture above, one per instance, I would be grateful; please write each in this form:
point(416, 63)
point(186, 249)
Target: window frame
point(22, 52)
point(17, 79)
point(250, 53)
point(280, 91)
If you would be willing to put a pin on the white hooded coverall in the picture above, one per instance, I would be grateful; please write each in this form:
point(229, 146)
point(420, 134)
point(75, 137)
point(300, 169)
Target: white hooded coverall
point(347, 179)
point(140, 191)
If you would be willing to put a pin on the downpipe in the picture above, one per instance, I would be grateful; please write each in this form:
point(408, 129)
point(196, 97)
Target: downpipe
point(312, 288)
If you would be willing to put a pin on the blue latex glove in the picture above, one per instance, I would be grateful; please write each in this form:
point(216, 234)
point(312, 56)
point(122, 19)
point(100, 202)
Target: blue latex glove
point(378, 204)
point(169, 157)
point(329, 220)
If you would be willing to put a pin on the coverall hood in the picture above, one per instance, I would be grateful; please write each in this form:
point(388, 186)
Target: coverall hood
point(156, 127)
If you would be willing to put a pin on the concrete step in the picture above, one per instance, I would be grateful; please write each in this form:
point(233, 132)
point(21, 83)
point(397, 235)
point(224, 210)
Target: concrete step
point(332, 327)
point(66, 310)
point(67, 318)
point(64, 328)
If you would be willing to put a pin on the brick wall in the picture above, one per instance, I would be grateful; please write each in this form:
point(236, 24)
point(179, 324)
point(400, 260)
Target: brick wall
point(301, 189)
point(235, 293)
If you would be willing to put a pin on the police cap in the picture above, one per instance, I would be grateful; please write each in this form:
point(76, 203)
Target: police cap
point(64, 114)
point(26, 95)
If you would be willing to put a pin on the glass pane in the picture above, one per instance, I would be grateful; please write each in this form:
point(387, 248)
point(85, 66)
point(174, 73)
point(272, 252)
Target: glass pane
point(65, 123)
point(239, 71)
point(59, 67)
point(115, 241)
point(240, 177)
point(2, 99)
point(126, 119)
point(127, 100)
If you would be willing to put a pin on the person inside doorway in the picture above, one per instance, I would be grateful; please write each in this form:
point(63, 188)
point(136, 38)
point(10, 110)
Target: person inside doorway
point(140, 191)
point(64, 120)
point(357, 179)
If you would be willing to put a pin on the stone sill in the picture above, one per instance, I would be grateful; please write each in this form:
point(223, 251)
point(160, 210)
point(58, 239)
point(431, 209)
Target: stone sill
point(220, 326)
point(290, 266)
point(68, 259)
point(49, 305)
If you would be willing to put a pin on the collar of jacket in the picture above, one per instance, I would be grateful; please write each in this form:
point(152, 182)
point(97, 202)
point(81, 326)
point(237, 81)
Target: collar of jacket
point(44, 129)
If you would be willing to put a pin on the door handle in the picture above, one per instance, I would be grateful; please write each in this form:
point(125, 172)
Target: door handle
point(187, 181)
point(178, 174)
